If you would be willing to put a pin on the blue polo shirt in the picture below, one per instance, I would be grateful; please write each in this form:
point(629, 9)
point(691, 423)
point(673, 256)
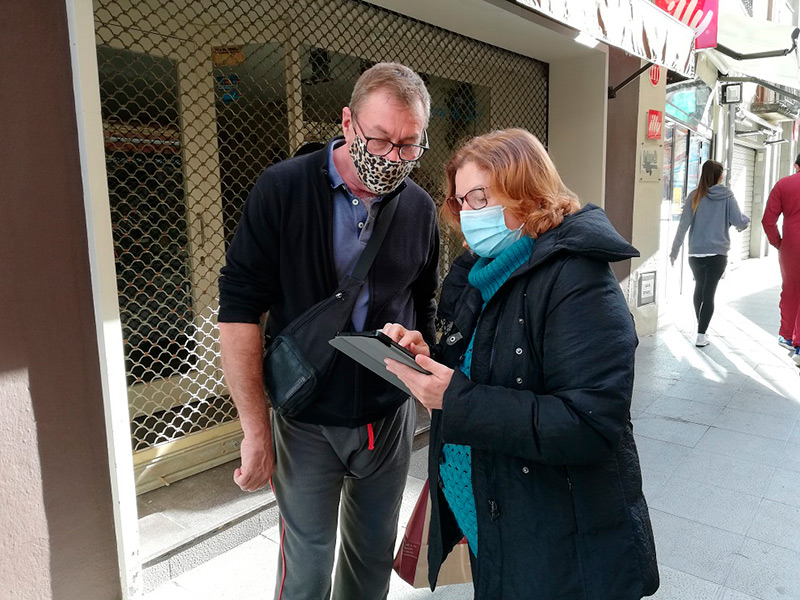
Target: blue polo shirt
point(352, 227)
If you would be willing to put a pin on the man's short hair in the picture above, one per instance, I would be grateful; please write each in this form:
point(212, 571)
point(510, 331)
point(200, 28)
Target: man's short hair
point(399, 81)
point(797, 160)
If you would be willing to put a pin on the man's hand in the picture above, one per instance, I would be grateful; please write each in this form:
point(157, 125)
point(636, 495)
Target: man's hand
point(672, 260)
point(240, 346)
point(258, 463)
point(409, 339)
point(428, 389)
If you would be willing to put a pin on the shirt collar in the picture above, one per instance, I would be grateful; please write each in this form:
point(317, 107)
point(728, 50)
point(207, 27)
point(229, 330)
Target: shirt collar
point(334, 177)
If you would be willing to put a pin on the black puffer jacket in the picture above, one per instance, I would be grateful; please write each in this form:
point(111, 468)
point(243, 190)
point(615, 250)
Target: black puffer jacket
point(555, 470)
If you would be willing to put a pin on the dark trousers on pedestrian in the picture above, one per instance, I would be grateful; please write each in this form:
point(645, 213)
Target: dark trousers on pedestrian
point(707, 272)
point(789, 257)
point(351, 477)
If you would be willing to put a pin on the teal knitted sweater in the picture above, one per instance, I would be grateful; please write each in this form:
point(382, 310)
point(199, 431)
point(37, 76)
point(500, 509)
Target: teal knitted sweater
point(455, 467)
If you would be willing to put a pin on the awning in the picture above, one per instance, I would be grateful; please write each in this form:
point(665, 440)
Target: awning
point(744, 35)
point(636, 26)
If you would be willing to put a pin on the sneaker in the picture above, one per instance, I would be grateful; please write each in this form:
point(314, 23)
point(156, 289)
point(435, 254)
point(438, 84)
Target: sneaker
point(796, 356)
point(702, 341)
point(786, 343)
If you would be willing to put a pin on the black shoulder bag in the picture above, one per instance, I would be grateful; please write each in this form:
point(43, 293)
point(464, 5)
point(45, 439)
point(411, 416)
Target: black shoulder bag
point(297, 362)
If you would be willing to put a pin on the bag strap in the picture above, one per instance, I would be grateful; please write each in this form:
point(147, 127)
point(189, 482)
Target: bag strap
point(382, 222)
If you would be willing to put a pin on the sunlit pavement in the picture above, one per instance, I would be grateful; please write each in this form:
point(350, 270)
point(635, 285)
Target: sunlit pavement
point(719, 445)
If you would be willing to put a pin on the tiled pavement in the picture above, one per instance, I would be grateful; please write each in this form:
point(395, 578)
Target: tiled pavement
point(720, 449)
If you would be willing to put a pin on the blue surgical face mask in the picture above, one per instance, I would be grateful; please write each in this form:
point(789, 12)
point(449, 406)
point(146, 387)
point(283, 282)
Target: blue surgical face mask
point(486, 231)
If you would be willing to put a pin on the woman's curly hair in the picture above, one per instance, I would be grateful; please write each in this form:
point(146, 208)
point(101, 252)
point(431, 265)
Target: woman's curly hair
point(522, 175)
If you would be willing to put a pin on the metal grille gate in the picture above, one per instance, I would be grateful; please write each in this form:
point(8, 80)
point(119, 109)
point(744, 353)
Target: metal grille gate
point(742, 179)
point(198, 97)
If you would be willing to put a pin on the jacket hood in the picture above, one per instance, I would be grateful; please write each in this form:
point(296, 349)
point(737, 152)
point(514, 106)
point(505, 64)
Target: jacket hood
point(587, 232)
point(719, 192)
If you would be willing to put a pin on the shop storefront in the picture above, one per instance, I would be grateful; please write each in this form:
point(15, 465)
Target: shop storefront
point(197, 101)
point(178, 106)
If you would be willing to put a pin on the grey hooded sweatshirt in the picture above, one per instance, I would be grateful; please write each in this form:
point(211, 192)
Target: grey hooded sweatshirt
point(708, 226)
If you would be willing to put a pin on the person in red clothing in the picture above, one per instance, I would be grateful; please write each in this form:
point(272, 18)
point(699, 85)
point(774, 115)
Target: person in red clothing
point(785, 199)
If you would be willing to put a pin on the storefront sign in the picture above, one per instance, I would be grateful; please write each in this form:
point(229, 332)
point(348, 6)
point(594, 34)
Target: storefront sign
point(700, 15)
point(655, 122)
point(655, 75)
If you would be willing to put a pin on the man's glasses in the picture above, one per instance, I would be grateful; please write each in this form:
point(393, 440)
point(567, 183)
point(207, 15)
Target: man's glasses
point(475, 198)
point(406, 152)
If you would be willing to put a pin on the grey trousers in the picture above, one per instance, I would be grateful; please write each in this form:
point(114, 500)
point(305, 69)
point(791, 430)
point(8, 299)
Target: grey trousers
point(324, 475)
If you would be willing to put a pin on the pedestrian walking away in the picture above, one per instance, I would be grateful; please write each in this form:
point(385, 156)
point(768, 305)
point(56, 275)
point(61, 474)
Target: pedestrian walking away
point(532, 455)
point(784, 199)
point(340, 463)
point(708, 214)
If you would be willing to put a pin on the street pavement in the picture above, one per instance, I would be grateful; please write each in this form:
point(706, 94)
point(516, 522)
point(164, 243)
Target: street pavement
point(719, 442)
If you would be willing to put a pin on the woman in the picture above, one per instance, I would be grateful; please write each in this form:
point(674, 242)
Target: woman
point(709, 212)
point(531, 441)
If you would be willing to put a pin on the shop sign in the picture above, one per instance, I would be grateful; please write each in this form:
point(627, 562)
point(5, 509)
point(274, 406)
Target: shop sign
point(655, 122)
point(655, 75)
point(700, 15)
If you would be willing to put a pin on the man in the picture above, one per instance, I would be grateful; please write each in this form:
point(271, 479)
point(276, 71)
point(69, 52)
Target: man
point(302, 230)
point(785, 199)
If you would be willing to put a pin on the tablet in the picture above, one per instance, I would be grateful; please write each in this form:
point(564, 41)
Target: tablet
point(371, 348)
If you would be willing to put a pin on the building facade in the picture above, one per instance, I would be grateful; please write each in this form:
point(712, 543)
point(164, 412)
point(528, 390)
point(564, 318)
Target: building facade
point(142, 129)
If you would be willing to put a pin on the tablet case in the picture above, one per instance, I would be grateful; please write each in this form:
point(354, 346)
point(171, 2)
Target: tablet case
point(371, 348)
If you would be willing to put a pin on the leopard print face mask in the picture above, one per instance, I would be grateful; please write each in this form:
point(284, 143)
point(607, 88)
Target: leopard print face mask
point(378, 174)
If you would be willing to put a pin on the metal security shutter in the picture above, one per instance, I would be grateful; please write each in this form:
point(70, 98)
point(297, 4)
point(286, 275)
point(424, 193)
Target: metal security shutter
point(197, 98)
point(742, 176)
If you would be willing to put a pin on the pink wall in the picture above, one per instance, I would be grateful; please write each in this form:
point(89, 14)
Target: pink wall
point(56, 521)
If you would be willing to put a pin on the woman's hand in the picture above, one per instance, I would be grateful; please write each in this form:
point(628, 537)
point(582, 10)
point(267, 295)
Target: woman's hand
point(409, 339)
point(428, 389)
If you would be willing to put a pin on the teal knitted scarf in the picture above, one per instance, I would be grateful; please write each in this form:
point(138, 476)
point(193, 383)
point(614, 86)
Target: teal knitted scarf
point(489, 274)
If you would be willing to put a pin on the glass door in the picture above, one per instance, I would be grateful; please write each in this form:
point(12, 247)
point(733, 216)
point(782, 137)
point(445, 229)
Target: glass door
point(685, 151)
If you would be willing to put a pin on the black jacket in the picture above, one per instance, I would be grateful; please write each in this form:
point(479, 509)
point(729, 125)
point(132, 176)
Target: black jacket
point(555, 470)
point(281, 261)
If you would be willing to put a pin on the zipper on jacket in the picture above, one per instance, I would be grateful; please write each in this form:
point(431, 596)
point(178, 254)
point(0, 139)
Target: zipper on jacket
point(578, 544)
point(494, 510)
point(338, 297)
point(496, 332)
